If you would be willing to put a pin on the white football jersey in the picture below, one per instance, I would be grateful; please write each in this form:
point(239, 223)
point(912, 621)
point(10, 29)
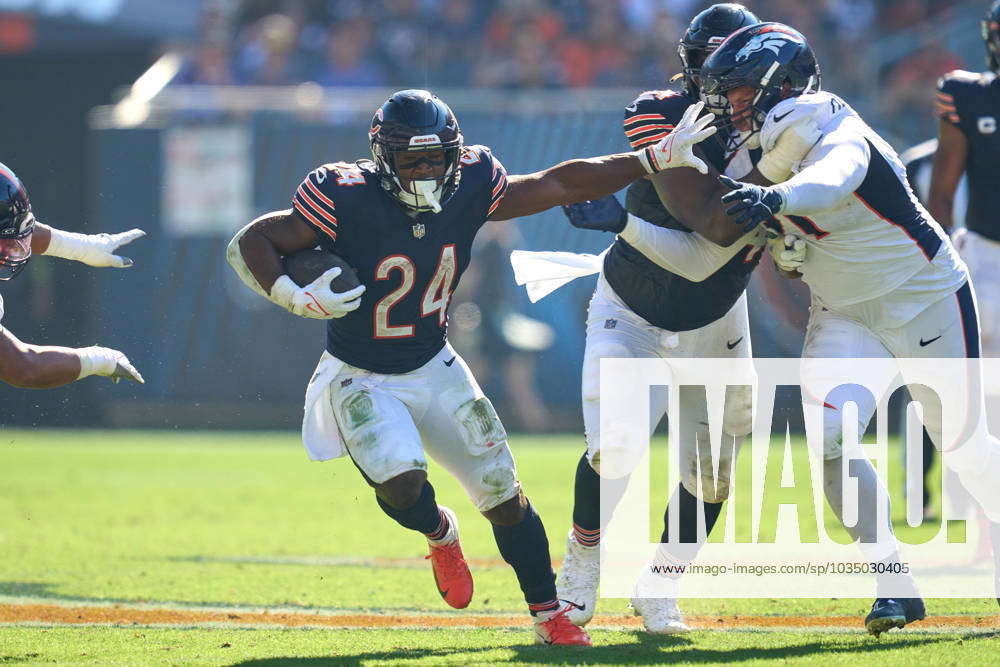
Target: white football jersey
point(868, 236)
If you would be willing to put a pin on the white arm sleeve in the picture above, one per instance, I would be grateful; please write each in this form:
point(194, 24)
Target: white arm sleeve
point(235, 258)
point(687, 254)
point(836, 168)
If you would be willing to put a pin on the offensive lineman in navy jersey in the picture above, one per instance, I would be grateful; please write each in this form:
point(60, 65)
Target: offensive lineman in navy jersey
point(682, 299)
point(389, 386)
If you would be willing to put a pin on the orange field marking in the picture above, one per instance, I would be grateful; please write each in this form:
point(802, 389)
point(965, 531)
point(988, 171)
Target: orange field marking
point(118, 615)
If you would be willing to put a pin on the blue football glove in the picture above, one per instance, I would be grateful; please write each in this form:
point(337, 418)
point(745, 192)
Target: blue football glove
point(605, 215)
point(755, 203)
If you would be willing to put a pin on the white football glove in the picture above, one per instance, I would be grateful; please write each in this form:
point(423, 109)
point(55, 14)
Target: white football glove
point(92, 249)
point(106, 362)
point(316, 300)
point(788, 251)
point(677, 148)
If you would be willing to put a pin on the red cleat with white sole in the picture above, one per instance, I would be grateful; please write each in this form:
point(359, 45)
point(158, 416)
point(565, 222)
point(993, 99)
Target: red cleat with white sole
point(451, 572)
point(555, 628)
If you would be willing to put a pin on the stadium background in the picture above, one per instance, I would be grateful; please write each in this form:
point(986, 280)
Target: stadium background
point(189, 118)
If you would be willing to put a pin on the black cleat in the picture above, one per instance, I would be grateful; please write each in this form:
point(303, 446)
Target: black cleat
point(889, 613)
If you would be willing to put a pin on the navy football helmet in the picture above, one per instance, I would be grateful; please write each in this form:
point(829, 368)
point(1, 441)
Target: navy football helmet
point(16, 224)
point(704, 34)
point(990, 26)
point(773, 59)
point(416, 121)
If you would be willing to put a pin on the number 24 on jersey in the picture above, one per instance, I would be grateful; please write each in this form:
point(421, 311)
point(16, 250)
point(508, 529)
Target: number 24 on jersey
point(435, 297)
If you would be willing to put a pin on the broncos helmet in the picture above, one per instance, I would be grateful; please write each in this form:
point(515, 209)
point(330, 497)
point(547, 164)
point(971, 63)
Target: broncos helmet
point(767, 57)
point(16, 224)
point(416, 120)
point(990, 27)
point(704, 34)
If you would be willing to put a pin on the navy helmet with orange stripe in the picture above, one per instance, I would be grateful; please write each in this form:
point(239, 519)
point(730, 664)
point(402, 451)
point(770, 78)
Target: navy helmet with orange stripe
point(990, 26)
point(417, 122)
point(16, 224)
point(706, 31)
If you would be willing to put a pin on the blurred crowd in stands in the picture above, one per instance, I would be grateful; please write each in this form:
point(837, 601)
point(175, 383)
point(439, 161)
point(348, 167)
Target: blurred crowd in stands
point(883, 56)
point(539, 44)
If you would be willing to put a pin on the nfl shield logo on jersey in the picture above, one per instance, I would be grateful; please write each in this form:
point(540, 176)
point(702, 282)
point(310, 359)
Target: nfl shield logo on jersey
point(987, 124)
point(419, 230)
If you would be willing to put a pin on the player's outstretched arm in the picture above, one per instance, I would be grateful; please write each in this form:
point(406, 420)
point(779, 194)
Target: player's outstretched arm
point(44, 366)
point(255, 254)
point(949, 164)
point(688, 255)
point(839, 166)
point(594, 178)
point(694, 199)
point(92, 249)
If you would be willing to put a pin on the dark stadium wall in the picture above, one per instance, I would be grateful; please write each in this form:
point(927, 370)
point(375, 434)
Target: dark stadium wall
point(44, 138)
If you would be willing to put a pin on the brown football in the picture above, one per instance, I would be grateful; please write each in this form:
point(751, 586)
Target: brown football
point(305, 266)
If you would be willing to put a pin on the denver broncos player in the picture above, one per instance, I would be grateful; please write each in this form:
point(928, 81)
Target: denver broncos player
point(968, 108)
point(45, 366)
point(884, 278)
point(684, 298)
point(389, 386)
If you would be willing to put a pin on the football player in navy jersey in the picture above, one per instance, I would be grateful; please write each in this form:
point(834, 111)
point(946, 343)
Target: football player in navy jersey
point(682, 298)
point(45, 366)
point(968, 108)
point(389, 388)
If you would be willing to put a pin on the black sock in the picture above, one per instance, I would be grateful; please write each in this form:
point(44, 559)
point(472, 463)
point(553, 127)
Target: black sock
point(525, 547)
point(587, 502)
point(689, 506)
point(423, 516)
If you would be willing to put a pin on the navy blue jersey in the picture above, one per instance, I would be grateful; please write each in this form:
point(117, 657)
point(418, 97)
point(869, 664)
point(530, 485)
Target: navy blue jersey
point(662, 298)
point(409, 265)
point(971, 102)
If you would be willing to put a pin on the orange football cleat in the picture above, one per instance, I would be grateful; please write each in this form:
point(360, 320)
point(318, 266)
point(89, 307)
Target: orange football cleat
point(555, 628)
point(451, 572)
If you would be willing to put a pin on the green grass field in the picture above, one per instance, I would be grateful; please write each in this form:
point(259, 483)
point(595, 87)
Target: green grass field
point(221, 525)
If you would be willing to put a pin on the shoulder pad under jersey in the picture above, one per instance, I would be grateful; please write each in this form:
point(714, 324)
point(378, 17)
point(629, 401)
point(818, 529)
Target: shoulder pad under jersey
point(822, 108)
point(957, 91)
point(652, 116)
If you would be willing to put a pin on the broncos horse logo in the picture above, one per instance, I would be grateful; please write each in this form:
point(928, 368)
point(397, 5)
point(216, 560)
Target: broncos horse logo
point(769, 40)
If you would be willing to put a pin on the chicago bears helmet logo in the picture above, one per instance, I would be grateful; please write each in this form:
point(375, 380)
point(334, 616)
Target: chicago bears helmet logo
point(771, 41)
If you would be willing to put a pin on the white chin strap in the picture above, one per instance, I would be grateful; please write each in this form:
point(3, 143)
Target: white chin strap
point(428, 192)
